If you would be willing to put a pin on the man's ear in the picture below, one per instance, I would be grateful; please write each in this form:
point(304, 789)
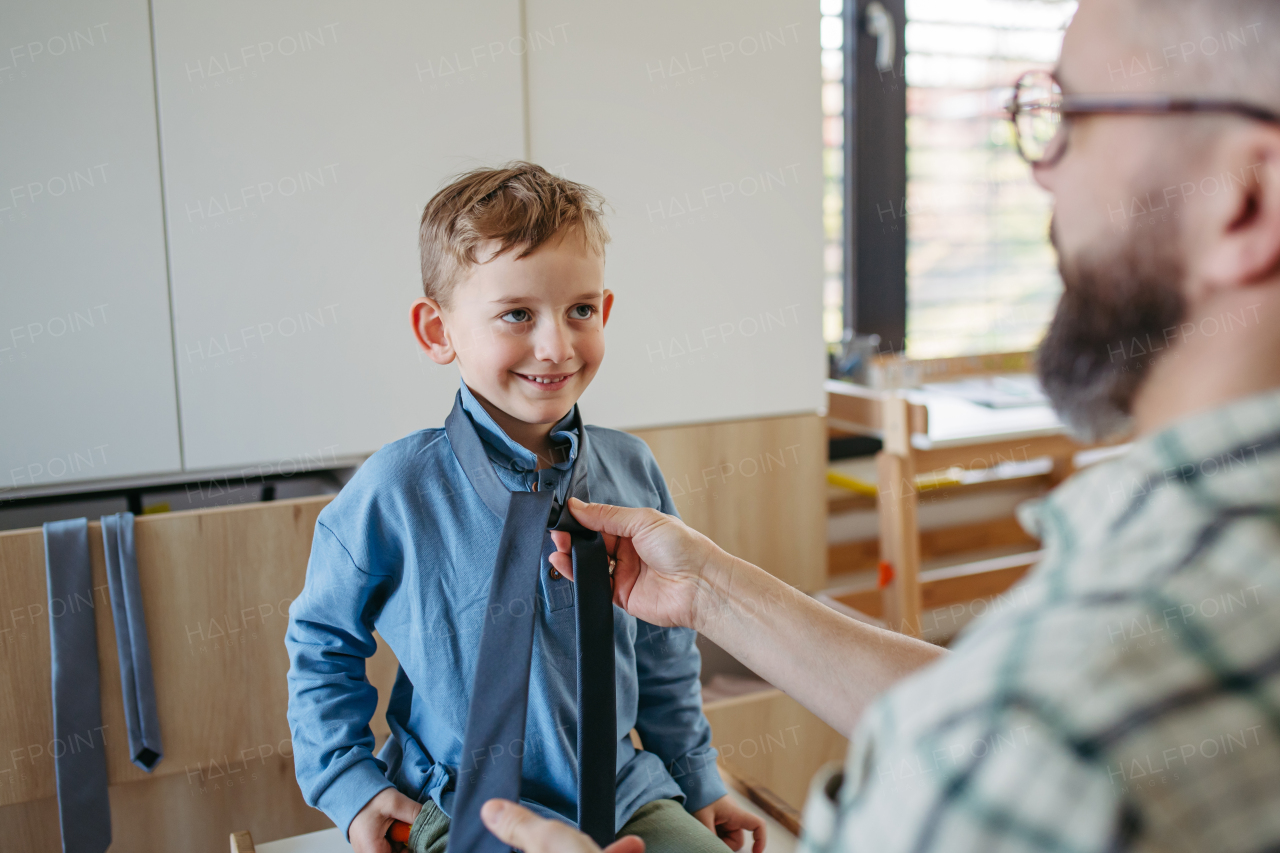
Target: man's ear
point(605, 307)
point(1243, 247)
point(429, 329)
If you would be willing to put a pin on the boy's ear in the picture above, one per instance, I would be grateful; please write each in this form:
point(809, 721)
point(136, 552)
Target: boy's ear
point(605, 307)
point(428, 328)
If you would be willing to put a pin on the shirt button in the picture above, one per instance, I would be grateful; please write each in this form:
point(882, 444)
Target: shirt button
point(554, 575)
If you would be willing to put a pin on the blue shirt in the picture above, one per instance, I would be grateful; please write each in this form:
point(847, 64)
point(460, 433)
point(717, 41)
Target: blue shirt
point(407, 549)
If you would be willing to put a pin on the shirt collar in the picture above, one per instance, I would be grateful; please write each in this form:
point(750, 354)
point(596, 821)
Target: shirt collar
point(505, 451)
point(1230, 454)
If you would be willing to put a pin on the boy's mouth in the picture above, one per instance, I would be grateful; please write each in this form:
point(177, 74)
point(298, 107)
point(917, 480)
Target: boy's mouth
point(546, 381)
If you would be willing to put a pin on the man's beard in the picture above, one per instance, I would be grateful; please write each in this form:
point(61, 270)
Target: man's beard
point(1116, 304)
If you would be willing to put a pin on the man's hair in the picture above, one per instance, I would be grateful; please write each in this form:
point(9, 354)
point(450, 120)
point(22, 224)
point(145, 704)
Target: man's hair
point(1214, 48)
point(520, 205)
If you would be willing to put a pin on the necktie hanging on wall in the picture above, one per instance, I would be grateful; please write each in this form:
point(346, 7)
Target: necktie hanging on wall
point(84, 812)
point(84, 809)
point(500, 689)
point(136, 684)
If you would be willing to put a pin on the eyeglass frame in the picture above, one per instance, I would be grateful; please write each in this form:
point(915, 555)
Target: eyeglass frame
point(1080, 105)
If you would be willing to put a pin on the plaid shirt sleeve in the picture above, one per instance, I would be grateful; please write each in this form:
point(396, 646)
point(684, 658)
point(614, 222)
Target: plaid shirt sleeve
point(1125, 695)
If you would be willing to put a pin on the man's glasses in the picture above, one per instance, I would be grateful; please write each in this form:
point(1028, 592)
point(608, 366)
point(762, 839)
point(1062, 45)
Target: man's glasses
point(1038, 108)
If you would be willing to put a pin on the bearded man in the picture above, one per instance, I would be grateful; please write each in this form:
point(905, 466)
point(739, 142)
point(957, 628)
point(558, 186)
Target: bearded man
point(1130, 697)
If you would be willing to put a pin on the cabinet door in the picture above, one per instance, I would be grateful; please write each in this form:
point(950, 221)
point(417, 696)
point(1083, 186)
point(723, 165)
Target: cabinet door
point(86, 358)
point(701, 125)
point(301, 141)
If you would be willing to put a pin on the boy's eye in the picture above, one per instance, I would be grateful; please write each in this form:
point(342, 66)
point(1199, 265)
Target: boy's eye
point(582, 312)
point(520, 315)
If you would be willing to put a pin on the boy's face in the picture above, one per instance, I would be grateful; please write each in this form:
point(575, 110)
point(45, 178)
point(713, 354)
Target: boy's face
point(528, 334)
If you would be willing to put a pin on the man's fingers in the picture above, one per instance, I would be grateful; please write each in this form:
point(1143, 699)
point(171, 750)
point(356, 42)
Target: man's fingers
point(611, 542)
point(626, 844)
point(563, 563)
point(627, 573)
point(563, 541)
point(515, 825)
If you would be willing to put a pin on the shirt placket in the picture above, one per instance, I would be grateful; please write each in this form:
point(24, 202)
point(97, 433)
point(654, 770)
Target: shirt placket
point(547, 479)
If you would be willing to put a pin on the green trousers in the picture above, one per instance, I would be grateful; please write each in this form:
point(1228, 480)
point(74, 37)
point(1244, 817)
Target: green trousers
point(663, 824)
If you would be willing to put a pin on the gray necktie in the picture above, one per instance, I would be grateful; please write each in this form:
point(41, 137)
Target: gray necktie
point(494, 739)
point(84, 811)
point(136, 682)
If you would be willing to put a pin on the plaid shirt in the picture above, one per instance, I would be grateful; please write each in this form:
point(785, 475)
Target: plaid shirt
point(1124, 695)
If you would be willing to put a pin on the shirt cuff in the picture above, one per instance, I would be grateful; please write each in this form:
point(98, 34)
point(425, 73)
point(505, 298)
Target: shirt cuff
point(699, 778)
point(351, 792)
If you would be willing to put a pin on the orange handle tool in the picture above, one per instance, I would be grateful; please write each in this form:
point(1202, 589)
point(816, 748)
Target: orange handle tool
point(399, 831)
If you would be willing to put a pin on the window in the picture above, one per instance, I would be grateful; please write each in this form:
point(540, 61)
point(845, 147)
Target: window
point(831, 34)
point(943, 226)
point(981, 275)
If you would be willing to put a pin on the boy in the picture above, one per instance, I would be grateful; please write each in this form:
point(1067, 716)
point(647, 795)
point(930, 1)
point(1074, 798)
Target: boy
point(513, 271)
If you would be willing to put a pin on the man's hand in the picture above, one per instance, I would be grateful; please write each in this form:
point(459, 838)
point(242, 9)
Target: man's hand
point(728, 820)
point(368, 830)
point(515, 825)
point(664, 567)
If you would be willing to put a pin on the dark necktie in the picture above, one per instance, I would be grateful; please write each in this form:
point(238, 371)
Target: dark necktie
point(84, 811)
point(132, 649)
point(494, 741)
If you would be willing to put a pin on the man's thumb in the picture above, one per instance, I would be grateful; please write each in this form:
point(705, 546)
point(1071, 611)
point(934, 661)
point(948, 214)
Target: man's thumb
point(614, 520)
point(508, 821)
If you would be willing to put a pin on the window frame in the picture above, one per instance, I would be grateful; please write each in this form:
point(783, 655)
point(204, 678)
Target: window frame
point(875, 181)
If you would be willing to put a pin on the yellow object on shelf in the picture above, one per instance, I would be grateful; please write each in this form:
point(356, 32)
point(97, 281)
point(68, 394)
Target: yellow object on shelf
point(853, 484)
point(925, 482)
point(862, 487)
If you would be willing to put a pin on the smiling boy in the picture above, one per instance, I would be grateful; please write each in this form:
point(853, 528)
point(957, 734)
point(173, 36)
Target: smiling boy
point(513, 272)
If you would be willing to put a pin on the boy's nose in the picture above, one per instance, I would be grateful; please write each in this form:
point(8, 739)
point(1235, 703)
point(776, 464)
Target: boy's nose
point(551, 343)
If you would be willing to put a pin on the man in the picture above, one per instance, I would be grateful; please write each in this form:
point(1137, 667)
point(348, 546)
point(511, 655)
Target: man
point(1131, 696)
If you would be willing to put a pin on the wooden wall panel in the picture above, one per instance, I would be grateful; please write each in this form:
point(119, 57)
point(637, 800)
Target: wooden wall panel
point(774, 740)
point(757, 487)
point(217, 585)
point(194, 814)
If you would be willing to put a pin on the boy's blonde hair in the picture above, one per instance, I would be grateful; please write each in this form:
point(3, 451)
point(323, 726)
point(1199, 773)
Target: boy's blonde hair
point(521, 205)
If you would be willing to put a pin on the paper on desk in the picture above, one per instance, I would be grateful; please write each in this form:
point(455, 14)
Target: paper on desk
point(953, 420)
point(994, 392)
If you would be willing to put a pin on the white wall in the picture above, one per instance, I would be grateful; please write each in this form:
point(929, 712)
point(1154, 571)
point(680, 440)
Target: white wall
point(298, 144)
point(86, 364)
point(701, 124)
point(294, 185)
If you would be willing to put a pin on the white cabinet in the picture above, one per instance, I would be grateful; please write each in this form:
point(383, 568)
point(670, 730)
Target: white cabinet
point(301, 141)
point(86, 360)
point(701, 125)
point(298, 142)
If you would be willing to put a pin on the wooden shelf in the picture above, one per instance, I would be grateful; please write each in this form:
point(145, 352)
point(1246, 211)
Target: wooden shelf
point(952, 585)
